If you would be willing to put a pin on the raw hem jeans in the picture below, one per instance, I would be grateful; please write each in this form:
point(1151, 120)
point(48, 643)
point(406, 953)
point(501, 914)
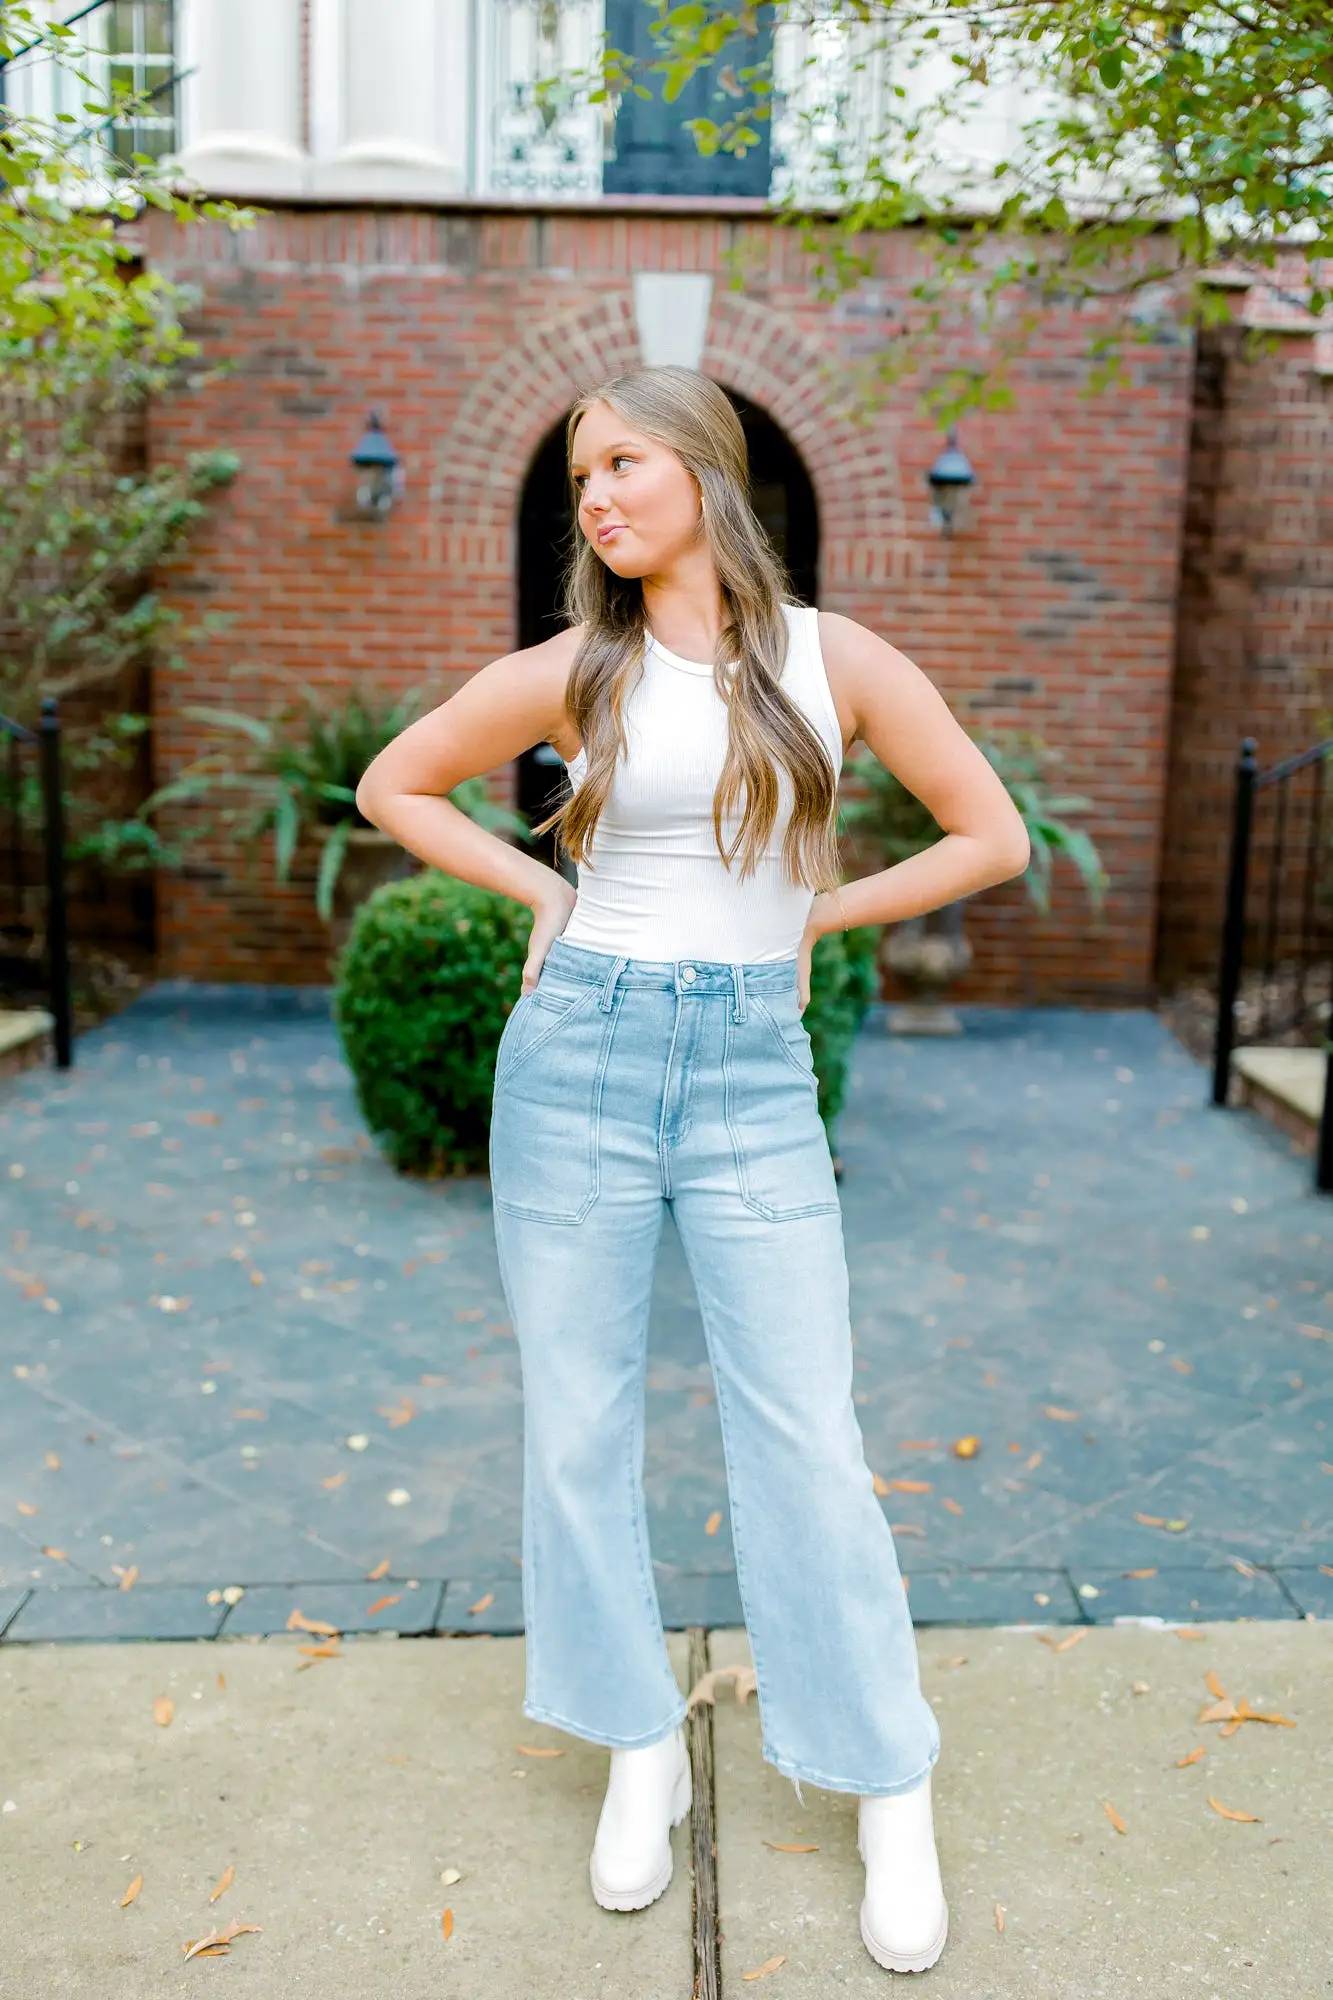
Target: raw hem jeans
point(622, 1085)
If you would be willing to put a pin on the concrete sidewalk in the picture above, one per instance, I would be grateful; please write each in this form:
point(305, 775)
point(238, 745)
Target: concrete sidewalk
point(344, 1791)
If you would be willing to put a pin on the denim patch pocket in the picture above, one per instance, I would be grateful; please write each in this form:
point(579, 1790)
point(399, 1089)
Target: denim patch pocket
point(777, 1136)
point(546, 1107)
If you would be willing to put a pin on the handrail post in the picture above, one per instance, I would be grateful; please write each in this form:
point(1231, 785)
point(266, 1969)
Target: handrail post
point(57, 927)
point(1233, 929)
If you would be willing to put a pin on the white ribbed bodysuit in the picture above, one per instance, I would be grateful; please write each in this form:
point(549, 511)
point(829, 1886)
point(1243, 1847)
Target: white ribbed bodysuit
point(655, 885)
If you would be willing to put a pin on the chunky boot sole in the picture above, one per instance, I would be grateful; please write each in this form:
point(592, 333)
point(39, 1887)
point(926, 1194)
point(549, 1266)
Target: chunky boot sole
point(898, 1961)
point(639, 1898)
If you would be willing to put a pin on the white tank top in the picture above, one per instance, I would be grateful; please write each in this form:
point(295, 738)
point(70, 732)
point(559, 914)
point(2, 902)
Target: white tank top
point(655, 885)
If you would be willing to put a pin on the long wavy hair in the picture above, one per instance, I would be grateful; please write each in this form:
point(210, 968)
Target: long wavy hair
point(766, 731)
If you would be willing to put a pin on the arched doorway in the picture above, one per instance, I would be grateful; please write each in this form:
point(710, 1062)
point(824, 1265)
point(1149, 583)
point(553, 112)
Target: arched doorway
point(782, 496)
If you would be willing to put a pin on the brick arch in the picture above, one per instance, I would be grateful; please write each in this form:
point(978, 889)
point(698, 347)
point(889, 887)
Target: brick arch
point(484, 458)
point(764, 356)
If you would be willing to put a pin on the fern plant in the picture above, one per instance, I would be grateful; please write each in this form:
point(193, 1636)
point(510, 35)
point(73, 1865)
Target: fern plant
point(897, 824)
point(304, 764)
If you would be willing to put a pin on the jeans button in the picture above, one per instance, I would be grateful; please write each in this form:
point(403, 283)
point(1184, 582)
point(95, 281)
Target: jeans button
point(687, 973)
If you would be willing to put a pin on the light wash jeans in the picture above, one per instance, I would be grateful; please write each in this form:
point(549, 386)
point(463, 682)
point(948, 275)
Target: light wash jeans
point(620, 1085)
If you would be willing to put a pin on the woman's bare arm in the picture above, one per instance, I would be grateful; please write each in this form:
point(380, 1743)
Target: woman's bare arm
point(896, 709)
point(505, 708)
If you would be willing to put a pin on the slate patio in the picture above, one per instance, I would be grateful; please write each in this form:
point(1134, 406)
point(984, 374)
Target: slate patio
point(212, 1283)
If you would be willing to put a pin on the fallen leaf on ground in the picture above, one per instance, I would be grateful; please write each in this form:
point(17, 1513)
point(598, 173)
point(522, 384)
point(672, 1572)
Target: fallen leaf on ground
point(919, 1444)
point(381, 1603)
point(1152, 1520)
point(128, 1577)
point(1193, 1757)
point(334, 1479)
point(326, 1652)
point(447, 1923)
point(1227, 1812)
point(482, 1603)
point(1032, 1461)
point(1113, 1816)
point(1138, 1572)
point(217, 1944)
point(1189, 1632)
point(298, 1622)
point(53, 1461)
point(999, 1917)
point(380, 1569)
point(533, 1750)
point(1061, 1645)
point(132, 1891)
point(1062, 1416)
point(713, 1523)
point(786, 1847)
point(1214, 1685)
point(225, 1881)
point(907, 1486)
point(57, 1555)
point(705, 1688)
point(25, 1507)
point(769, 1965)
point(968, 1447)
point(905, 1528)
point(952, 1506)
point(163, 1710)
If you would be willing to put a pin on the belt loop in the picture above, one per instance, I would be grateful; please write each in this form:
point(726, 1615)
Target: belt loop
point(738, 992)
point(609, 985)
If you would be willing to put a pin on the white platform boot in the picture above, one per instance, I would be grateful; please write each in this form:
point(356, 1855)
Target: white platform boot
point(648, 1793)
point(904, 1917)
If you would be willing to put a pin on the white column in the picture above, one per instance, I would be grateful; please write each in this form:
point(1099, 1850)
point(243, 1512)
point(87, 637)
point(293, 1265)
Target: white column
point(242, 105)
point(395, 119)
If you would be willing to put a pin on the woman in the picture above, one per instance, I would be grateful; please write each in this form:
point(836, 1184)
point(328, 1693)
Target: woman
point(657, 1054)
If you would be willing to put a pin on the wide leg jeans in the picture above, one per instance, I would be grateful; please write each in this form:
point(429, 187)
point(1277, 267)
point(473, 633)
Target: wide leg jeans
point(621, 1085)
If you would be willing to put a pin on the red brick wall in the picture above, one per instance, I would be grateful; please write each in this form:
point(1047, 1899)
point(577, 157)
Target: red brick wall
point(1255, 651)
point(472, 330)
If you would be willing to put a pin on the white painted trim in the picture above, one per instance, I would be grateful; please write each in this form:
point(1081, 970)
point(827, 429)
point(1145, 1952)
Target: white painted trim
point(671, 309)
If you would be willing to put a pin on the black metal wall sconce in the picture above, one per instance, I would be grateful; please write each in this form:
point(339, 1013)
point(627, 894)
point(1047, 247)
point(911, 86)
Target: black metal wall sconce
point(384, 479)
point(950, 478)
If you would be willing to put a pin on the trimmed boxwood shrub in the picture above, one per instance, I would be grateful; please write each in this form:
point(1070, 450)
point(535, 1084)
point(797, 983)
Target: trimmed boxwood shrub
point(425, 983)
point(422, 989)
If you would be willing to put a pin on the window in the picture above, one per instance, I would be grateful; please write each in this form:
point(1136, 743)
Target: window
point(138, 42)
point(652, 154)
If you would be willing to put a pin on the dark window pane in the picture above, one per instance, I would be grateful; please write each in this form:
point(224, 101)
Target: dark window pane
point(157, 26)
point(653, 154)
point(120, 27)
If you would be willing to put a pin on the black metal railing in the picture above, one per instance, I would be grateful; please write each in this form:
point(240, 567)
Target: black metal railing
point(1287, 988)
point(34, 964)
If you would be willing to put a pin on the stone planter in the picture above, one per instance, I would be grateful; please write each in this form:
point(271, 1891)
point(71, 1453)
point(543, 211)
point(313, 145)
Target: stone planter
point(927, 954)
point(370, 857)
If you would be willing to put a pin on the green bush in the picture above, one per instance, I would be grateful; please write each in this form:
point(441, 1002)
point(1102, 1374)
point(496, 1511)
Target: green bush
point(425, 983)
point(843, 982)
point(422, 989)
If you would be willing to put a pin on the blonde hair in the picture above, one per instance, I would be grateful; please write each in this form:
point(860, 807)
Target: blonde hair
point(694, 418)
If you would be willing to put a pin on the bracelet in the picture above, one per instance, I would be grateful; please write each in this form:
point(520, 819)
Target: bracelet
point(843, 907)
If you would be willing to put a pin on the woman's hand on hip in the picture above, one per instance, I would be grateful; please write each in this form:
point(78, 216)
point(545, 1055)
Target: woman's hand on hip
point(550, 913)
